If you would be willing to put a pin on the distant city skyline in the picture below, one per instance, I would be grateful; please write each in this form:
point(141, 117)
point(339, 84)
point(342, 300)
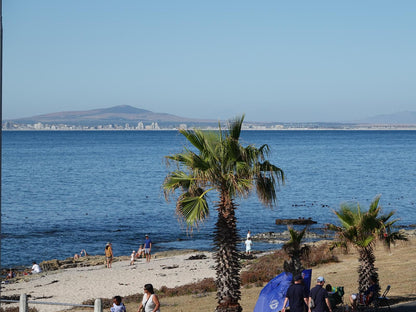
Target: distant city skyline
point(320, 61)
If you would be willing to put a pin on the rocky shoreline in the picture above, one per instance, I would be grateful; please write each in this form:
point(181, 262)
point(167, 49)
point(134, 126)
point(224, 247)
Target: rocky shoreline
point(23, 273)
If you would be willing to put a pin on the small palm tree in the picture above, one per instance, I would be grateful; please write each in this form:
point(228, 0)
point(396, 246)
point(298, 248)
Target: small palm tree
point(222, 164)
point(294, 249)
point(361, 229)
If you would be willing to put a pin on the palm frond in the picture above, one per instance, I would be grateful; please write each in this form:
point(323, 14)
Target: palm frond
point(235, 127)
point(374, 203)
point(176, 180)
point(193, 209)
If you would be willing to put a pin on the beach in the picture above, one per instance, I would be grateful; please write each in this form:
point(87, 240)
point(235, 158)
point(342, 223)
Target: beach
point(75, 285)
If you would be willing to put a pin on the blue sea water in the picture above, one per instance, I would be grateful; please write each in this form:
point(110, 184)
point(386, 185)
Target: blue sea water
point(63, 191)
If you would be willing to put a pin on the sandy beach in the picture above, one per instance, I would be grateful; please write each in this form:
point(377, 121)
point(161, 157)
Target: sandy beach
point(76, 285)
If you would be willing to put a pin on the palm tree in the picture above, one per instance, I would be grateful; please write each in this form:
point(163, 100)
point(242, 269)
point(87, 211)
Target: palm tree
point(221, 164)
point(361, 229)
point(295, 251)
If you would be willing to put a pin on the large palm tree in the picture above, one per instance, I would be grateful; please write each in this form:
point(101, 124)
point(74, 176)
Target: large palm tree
point(220, 163)
point(296, 252)
point(361, 229)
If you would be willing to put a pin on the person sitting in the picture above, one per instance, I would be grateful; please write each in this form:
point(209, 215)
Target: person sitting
point(36, 268)
point(335, 295)
point(11, 274)
point(83, 253)
point(140, 252)
point(329, 289)
point(367, 297)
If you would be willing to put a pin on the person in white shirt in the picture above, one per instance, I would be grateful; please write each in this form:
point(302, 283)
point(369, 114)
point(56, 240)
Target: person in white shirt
point(248, 243)
point(36, 268)
point(132, 256)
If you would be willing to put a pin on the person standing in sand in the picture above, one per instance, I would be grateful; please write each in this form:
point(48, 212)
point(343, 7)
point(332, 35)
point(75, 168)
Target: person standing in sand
point(147, 247)
point(248, 244)
point(150, 302)
point(296, 296)
point(132, 256)
point(108, 254)
point(320, 297)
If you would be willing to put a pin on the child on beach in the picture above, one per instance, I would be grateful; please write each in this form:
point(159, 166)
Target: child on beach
point(140, 251)
point(132, 256)
point(118, 306)
point(108, 254)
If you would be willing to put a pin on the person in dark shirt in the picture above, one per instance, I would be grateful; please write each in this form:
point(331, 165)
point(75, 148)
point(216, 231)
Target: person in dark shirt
point(320, 297)
point(296, 295)
point(367, 297)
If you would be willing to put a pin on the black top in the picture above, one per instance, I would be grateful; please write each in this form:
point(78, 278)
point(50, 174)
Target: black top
point(296, 294)
point(318, 294)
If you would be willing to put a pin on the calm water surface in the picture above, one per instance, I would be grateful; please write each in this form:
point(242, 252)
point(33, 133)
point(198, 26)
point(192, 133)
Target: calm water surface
point(65, 191)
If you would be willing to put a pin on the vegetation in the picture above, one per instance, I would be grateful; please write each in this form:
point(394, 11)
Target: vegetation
point(295, 251)
point(221, 164)
point(361, 229)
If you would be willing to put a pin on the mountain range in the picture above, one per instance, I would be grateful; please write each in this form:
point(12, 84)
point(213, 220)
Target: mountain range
point(402, 118)
point(114, 115)
point(123, 114)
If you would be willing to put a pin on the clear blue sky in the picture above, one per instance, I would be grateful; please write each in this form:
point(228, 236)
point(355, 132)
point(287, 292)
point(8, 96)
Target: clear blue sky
point(272, 60)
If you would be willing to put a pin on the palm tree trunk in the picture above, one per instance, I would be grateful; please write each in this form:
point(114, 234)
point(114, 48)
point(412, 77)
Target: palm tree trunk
point(366, 268)
point(227, 259)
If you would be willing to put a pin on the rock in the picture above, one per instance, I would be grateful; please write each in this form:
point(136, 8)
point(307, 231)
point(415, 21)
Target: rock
point(50, 265)
point(295, 221)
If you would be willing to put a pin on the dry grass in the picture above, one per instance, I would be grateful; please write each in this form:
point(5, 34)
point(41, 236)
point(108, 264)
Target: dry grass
point(395, 269)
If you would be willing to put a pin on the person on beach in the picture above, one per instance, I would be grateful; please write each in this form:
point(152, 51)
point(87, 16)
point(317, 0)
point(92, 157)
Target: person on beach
point(248, 244)
point(118, 306)
point(150, 302)
point(296, 295)
point(140, 252)
point(11, 274)
point(83, 253)
point(36, 268)
point(147, 247)
point(320, 297)
point(248, 234)
point(108, 254)
point(367, 297)
point(132, 256)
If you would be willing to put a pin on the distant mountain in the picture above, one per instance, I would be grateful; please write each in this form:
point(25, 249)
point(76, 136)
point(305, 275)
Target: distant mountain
point(401, 118)
point(117, 114)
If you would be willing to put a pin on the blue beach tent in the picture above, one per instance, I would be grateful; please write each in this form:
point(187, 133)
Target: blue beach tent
point(272, 296)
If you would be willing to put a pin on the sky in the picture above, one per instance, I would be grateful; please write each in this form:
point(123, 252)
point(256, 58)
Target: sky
point(288, 61)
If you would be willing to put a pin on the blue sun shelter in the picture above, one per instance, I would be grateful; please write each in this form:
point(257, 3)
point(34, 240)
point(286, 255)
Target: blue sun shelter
point(273, 295)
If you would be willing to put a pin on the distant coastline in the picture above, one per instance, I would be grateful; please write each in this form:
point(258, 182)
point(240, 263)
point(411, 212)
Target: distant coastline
point(125, 117)
point(154, 126)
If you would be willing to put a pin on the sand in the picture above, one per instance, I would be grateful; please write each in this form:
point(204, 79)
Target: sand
point(79, 284)
point(76, 285)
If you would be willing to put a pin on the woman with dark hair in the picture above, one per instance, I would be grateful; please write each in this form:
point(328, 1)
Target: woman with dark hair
point(150, 302)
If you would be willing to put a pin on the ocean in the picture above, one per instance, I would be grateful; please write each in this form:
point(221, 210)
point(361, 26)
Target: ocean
point(64, 191)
